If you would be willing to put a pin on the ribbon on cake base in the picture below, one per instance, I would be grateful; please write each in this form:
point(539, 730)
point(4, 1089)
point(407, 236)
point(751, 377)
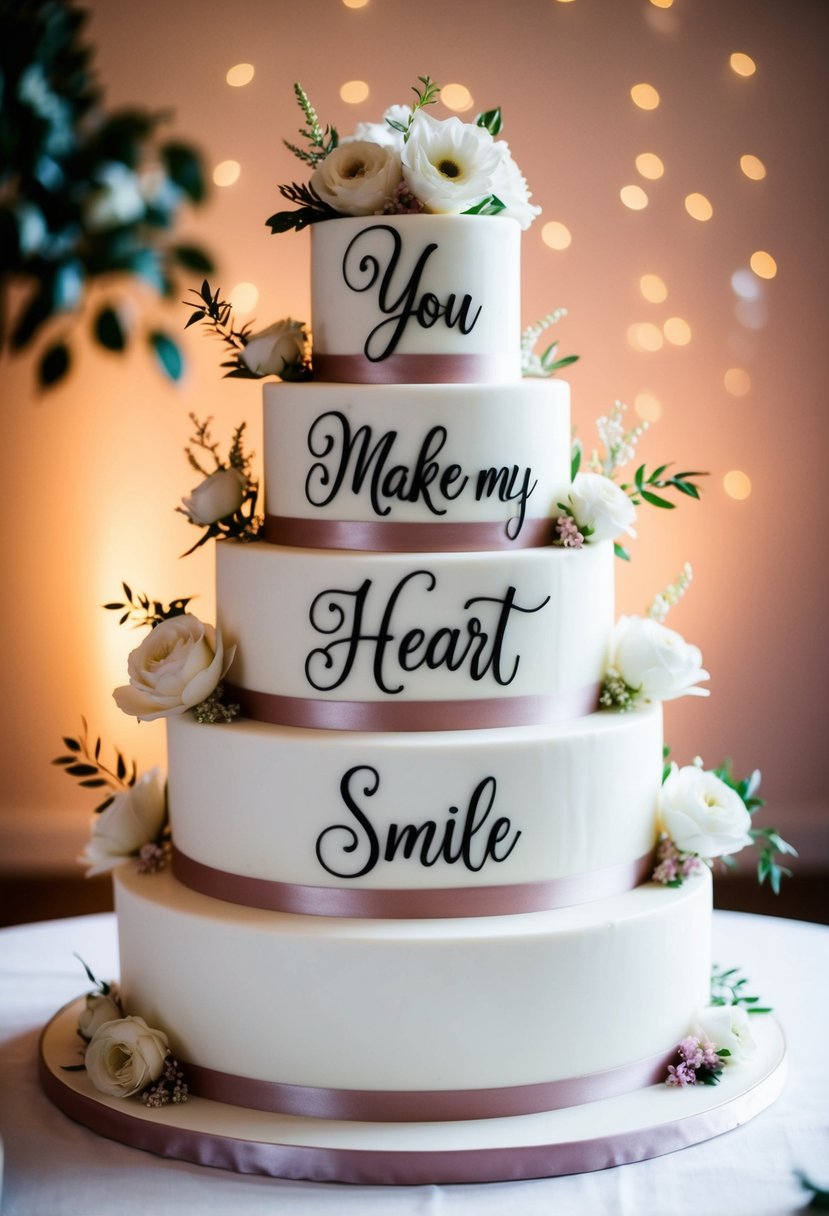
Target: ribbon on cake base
point(392, 715)
point(424, 1106)
point(416, 369)
point(377, 536)
point(406, 903)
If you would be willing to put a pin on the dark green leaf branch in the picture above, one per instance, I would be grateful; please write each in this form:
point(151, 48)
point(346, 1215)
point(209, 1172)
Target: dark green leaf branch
point(83, 762)
point(427, 96)
point(644, 484)
point(143, 611)
point(768, 841)
point(217, 315)
point(727, 988)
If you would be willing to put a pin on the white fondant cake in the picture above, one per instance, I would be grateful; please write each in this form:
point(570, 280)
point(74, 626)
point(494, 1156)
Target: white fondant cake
point(410, 883)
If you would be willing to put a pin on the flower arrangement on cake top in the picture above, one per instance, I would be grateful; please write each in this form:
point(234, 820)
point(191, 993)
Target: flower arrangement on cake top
point(409, 163)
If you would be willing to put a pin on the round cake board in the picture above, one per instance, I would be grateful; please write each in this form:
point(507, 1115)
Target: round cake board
point(597, 1135)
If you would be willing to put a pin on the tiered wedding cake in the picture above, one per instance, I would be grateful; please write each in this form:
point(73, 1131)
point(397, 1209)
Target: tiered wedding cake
point(410, 883)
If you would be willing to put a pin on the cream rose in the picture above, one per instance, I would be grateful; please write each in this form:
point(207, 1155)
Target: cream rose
point(358, 177)
point(655, 661)
point(598, 503)
point(100, 1007)
point(125, 1056)
point(728, 1028)
point(218, 496)
point(277, 349)
point(177, 666)
point(449, 165)
point(702, 814)
point(131, 820)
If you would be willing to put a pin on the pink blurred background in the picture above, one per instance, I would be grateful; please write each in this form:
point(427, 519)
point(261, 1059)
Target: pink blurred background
point(92, 471)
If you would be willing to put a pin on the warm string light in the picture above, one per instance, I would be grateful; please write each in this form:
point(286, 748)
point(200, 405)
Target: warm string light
point(753, 167)
point(240, 75)
point(737, 381)
point(456, 97)
point(698, 207)
point(633, 197)
point(226, 172)
point(650, 165)
point(737, 484)
point(243, 298)
point(648, 407)
point(644, 96)
point(354, 91)
point(556, 235)
point(677, 331)
point(653, 288)
point(763, 264)
point(742, 64)
point(645, 336)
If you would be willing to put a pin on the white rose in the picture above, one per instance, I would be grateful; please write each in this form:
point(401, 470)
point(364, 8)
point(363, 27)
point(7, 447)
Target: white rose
point(728, 1028)
point(177, 666)
point(219, 495)
point(100, 1007)
point(702, 814)
point(380, 132)
point(449, 165)
point(357, 178)
point(131, 820)
point(274, 350)
point(510, 186)
point(125, 1056)
point(655, 660)
point(598, 503)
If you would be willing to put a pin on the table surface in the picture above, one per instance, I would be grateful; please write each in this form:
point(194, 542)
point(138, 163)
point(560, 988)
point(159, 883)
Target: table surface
point(54, 1167)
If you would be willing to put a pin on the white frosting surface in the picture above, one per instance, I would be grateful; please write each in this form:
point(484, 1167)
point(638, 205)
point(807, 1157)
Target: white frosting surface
point(407, 441)
point(368, 294)
point(414, 1005)
point(258, 800)
point(296, 613)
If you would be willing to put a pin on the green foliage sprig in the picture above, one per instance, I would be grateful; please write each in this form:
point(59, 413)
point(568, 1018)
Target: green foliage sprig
point(768, 841)
point(244, 524)
point(491, 120)
point(89, 198)
point(727, 988)
point(143, 611)
point(217, 316)
point(320, 141)
point(310, 209)
point(644, 483)
point(819, 1200)
point(427, 96)
point(83, 762)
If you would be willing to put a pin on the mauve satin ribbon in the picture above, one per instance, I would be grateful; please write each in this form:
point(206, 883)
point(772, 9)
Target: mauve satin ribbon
point(423, 1106)
point(148, 1130)
point(376, 536)
point(415, 369)
point(413, 715)
point(410, 903)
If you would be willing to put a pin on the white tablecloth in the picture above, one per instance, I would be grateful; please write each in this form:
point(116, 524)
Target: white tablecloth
point(54, 1167)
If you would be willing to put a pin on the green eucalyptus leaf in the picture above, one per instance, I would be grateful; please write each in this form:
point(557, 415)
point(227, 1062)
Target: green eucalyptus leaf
point(53, 365)
point(490, 120)
point(109, 332)
point(193, 257)
point(656, 501)
point(185, 168)
point(168, 354)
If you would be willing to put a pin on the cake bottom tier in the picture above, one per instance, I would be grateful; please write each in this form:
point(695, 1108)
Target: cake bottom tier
point(480, 1016)
point(612, 1132)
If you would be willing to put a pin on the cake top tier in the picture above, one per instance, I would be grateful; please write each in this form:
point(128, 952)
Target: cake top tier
point(415, 259)
point(432, 299)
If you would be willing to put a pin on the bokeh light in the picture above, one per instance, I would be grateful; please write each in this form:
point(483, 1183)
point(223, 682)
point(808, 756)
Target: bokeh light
point(645, 336)
point(644, 96)
point(742, 64)
point(737, 484)
point(650, 165)
point(677, 331)
point(648, 407)
point(737, 381)
point(753, 167)
point(763, 264)
point(354, 91)
point(244, 297)
point(653, 288)
point(744, 284)
point(456, 97)
point(633, 197)
point(226, 172)
point(556, 235)
point(698, 207)
point(239, 75)
point(355, 3)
